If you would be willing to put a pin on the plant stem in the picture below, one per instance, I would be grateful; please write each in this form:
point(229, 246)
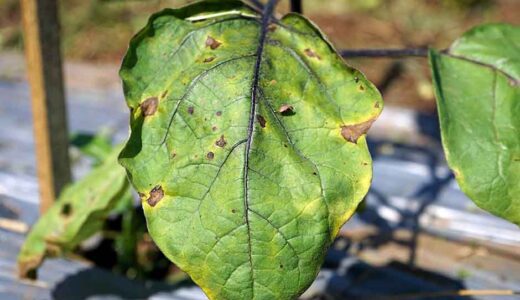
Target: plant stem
point(296, 6)
point(416, 52)
point(257, 4)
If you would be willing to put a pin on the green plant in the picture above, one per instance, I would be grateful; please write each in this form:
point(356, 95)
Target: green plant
point(248, 148)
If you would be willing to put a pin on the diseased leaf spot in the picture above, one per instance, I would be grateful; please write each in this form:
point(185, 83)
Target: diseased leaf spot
point(212, 43)
point(164, 94)
point(221, 142)
point(351, 133)
point(149, 106)
point(314, 173)
point(173, 154)
point(376, 105)
point(286, 110)
point(281, 266)
point(210, 155)
point(261, 120)
point(218, 113)
point(361, 88)
point(156, 194)
point(66, 209)
point(310, 53)
point(214, 128)
point(191, 110)
point(209, 59)
point(356, 79)
point(272, 27)
point(234, 211)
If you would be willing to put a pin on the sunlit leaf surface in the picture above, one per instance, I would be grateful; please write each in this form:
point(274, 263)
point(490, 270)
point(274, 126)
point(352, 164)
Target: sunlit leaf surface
point(247, 145)
point(477, 85)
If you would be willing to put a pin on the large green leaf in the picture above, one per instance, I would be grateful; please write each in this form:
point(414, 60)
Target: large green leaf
point(247, 145)
point(478, 97)
point(79, 212)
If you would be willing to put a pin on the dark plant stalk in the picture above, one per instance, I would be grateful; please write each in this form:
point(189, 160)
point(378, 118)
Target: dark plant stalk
point(259, 5)
point(417, 52)
point(296, 6)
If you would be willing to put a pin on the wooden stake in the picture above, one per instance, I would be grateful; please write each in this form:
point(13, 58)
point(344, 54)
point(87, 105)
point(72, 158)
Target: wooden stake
point(42, 49)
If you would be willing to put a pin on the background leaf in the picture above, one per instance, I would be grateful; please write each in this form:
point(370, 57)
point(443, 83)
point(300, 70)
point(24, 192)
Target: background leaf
point(245, 198)
point(478, 97)
point(79, 212)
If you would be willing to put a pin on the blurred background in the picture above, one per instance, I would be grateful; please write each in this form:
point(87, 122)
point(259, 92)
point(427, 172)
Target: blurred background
point(415, 237)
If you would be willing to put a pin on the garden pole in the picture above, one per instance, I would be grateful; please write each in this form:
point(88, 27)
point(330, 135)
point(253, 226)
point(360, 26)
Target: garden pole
point(44, 70)
point(296, 6)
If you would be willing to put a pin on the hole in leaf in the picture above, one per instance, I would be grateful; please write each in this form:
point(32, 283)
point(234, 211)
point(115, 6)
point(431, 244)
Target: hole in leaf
point(66, 209)
point(286, 110)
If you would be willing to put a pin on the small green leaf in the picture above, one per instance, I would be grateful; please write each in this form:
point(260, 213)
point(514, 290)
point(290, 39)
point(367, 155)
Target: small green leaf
point(478, 98)
point(79, 212)
point(247, 145)
point(97, 146)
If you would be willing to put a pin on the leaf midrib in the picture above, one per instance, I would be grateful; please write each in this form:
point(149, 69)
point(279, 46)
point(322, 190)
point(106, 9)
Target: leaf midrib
point(266, 16)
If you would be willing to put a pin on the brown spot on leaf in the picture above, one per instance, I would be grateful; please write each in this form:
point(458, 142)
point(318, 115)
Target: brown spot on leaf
point(173, 154)
point(351, 133)
point(212, 43)
point(356, 79)
point(214, 128)
point(286, 110)
point(272, 27)
point(310, 53)
point(273, 82)
point(314, 173)
point(218, 113)
point(210, 155)
point(156, 194)
point(376, 105)
point(149, 106)
point(361, 88)
point(234, 211)
point(191, 110)
point(164, 94)
point(221, 142)
point(261, 120)
point(209, 59)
